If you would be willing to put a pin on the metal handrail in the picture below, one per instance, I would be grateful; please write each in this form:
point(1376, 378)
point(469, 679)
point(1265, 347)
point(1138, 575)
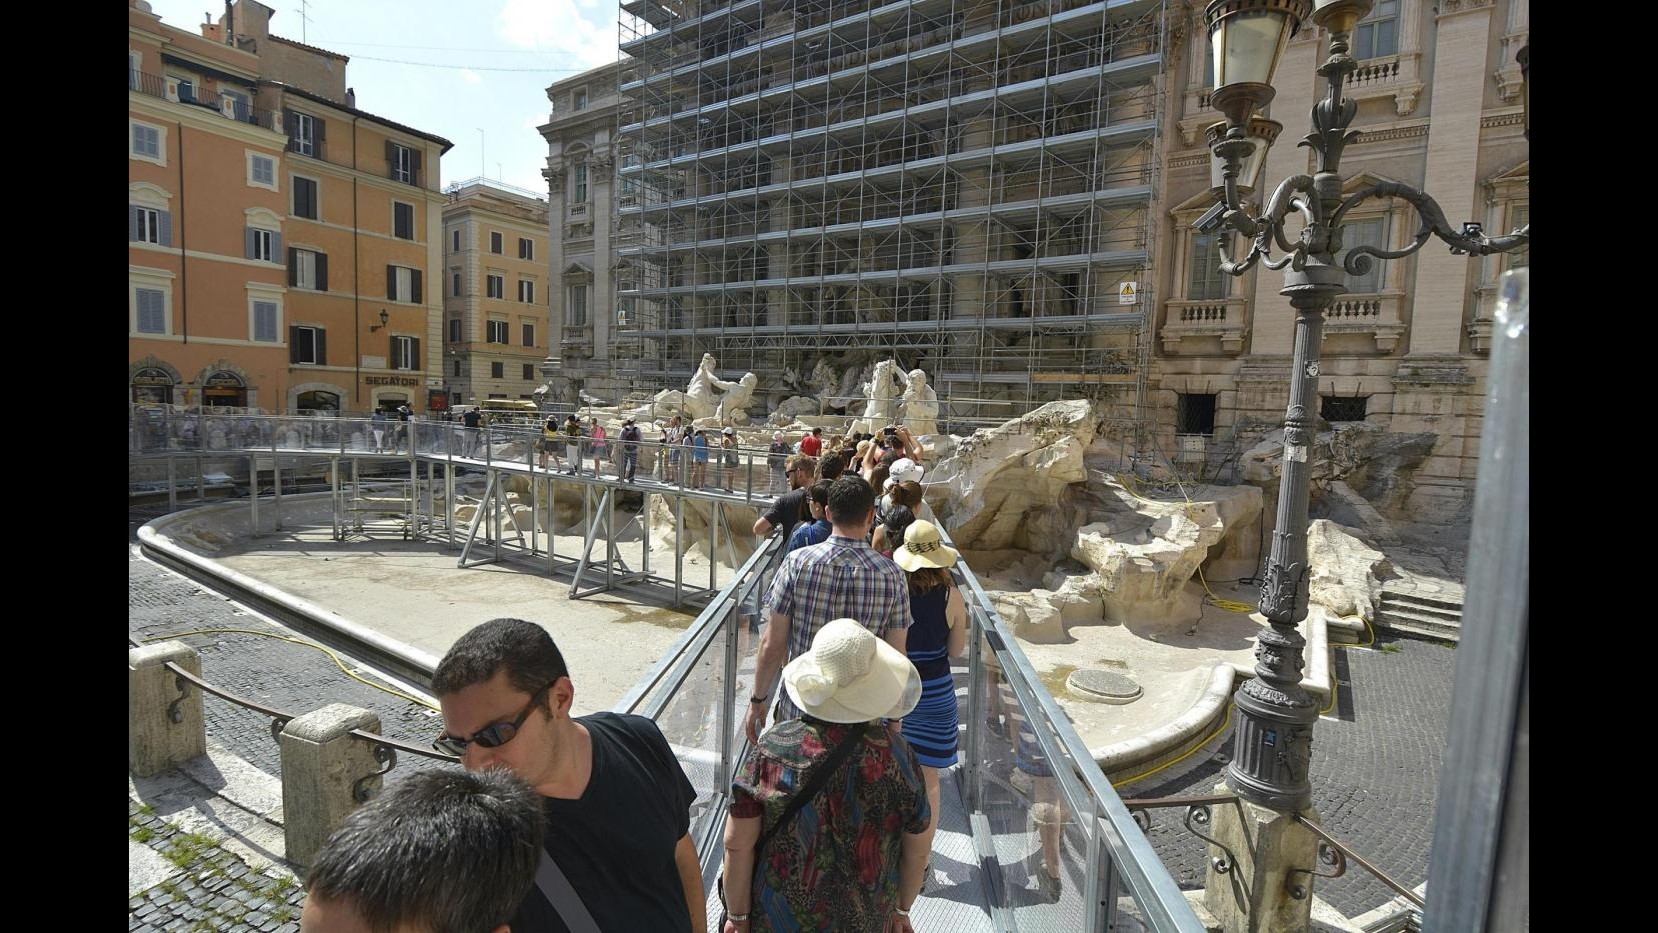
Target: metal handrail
point(1364, 863)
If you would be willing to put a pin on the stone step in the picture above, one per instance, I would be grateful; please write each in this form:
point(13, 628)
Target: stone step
point(1423, 600)
point(1417, 607)
point(1412, 623)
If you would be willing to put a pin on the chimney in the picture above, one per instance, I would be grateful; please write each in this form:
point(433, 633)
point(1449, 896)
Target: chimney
point(351, 97)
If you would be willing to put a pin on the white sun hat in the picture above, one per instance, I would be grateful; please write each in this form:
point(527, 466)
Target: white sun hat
point(850, 676)
point(905, 469)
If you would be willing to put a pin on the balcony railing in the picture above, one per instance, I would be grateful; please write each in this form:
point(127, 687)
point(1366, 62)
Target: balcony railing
point(231, 108)
point(1205, 317)
point(1367, 314)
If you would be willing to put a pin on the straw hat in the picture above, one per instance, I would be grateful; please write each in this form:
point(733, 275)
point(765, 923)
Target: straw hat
point(922, 548)
point(849, 675)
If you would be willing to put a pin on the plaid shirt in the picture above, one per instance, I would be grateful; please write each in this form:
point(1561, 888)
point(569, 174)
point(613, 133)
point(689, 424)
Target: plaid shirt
point(842, 578)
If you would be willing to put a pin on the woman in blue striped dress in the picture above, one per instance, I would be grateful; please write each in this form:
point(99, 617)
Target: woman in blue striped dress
point(937, 634)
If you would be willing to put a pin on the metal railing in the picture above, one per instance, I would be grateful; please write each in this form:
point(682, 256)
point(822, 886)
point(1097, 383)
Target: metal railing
point(240, 109)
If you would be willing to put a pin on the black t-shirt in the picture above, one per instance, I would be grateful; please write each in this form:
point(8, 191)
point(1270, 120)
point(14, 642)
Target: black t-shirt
point(785, 512)
point(471, 418)
point(616, 842)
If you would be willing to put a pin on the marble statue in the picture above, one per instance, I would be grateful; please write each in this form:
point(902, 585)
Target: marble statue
point(733, 407)
point(697, 401)
point(920, 405)
point(881, 396)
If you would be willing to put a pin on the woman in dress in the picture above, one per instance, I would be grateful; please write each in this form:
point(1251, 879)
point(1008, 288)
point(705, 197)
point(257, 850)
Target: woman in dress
point(938, 634)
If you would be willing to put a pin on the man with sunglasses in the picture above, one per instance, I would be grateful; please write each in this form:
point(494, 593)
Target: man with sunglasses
point(617, 801)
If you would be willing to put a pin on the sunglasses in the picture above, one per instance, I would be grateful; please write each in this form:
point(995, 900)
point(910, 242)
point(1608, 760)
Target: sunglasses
point(492, 736)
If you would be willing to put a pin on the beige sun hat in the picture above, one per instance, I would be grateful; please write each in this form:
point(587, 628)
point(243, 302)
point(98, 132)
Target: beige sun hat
point(922, 547)
point(849, 675)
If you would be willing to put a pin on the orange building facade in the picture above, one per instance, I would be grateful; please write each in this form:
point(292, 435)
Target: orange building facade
point(282, 242)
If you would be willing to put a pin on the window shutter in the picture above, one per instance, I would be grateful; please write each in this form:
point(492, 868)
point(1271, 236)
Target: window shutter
point(321, 131)
point(414, 277)
point(290, 125)
point(132, 223)
point(414, 353)
point(322, 347)
point(391, 159)
point(391, 283)
point(276, 244)
point(322, 272)
point(247, 242)
point(414, 166)
point(391, 352)
point(293, 267)
point(293, 343)
point(166, 228)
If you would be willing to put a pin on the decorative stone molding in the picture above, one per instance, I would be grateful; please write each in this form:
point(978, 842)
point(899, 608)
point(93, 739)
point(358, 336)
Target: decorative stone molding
point(1393, 133)
point(1221, 317)
point(154, 362)
point(1453, 7)
point(295, 391)
point(1376, 315)
point(1508, 76)
point(1432, 374)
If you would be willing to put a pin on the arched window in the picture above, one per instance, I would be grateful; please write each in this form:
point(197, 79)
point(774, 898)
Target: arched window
point(318, 401)
point(152, 386)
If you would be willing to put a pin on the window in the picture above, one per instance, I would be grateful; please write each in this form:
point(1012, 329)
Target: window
point(1195, 414)
point(261, 171)
point(308, 269)
point(529, 336)
point(1378, 33)
point(495, 241)
point(403, 161)
point(526, 291)
point(1522, 217)
point(578, 100)
point(455, 236)
point(1367, 233)
point(1207, 281)
point(146, 142)
point(302, 133)
point(457, 369)
point(263, 245)
point(497, 286)
point(1333, 408)
point(307, 344)
point(580, 176)
point(496, 331)
point(455, 331)
point(149, 225)
point(405, 351)
point(403, 284)
point(151, 311)
point(526, 248)
point(264, 321)
point(576, 314)
point(305, 198)
point(454, 285)
point(402, 220)
point(234, 104)
point(529, 372)
point(497, 370)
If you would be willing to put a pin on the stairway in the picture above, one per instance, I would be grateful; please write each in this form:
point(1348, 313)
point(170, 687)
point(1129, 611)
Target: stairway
point(1413, 612)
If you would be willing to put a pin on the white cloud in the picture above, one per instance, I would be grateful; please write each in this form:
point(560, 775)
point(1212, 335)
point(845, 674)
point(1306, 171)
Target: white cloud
point(570, 37)
point(471, 77)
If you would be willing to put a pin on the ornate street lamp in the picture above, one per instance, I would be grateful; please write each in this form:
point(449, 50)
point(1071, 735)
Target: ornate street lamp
point(1275, 716)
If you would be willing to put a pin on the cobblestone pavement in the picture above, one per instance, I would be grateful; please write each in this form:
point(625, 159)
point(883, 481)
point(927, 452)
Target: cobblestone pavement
point(1375, 772)
point(275, 673)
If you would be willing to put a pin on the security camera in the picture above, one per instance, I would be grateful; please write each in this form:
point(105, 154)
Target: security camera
point(1211, 219)
point(1472, 228)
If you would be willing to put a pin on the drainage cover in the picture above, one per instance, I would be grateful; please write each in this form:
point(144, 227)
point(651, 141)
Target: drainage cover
point(1103, 686)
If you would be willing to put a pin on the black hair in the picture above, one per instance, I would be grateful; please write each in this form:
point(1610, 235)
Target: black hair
point(819, 492)
point(523, 649)
point(444, 850)
point(850, 499)
point(899, 517)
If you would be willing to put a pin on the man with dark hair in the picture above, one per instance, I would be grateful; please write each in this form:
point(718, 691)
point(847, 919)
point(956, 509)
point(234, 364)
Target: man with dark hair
point(841, 578)
point(812, 444)
point(831, 465)
point(439, 852)
point(617, 801)
point(818, 530)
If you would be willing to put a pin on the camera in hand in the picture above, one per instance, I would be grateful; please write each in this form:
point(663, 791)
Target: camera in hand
point(892, 431)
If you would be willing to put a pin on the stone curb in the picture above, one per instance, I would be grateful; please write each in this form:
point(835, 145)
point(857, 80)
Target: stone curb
point(153, 536)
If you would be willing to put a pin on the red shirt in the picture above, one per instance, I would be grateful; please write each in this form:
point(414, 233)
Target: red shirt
point(810, 445)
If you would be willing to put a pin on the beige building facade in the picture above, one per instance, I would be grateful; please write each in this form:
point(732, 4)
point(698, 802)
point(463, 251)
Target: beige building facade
point(584, 197)
point(1438, 92)
point(495, 292)
point(280, 238)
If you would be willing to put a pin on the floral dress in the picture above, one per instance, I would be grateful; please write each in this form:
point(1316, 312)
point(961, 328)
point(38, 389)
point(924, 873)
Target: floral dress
point(837, 867)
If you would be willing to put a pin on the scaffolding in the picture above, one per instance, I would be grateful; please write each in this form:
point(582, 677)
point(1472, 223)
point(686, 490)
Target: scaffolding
point(962, 185)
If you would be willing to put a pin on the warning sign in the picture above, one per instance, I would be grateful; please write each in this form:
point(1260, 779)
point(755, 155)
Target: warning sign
point(1127, 293)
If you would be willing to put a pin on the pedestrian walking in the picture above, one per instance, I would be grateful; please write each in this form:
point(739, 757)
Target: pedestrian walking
point(630, 449)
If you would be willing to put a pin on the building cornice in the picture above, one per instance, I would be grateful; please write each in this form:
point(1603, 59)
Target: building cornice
point(200, 118)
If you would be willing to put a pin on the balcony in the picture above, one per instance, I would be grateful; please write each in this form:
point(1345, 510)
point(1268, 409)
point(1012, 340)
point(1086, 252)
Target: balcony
point(228, 107)
point(1361, 315)
point(1208, 317)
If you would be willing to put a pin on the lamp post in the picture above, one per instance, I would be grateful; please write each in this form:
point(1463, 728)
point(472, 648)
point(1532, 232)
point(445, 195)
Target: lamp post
point(1248, 37)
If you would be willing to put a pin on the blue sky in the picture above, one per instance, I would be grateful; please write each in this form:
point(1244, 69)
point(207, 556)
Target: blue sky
point(451, 90)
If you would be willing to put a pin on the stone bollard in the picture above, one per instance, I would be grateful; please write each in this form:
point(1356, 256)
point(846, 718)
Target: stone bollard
point(321, 763)
point(1264, 892)
point(164, 724)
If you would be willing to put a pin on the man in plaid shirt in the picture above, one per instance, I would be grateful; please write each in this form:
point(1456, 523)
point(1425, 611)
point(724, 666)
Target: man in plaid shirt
point(842, 578)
